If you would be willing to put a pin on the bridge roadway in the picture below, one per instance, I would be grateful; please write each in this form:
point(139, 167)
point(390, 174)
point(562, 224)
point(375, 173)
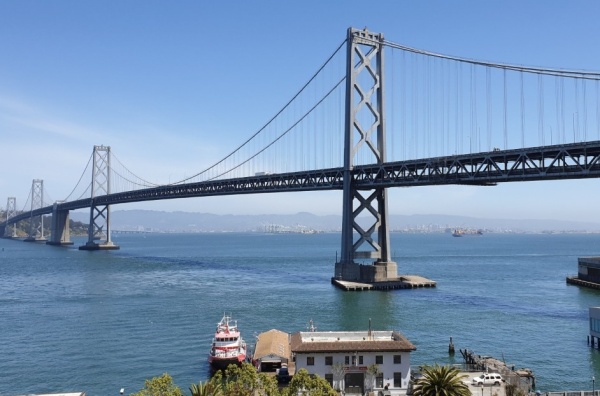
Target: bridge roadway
point(571, 161)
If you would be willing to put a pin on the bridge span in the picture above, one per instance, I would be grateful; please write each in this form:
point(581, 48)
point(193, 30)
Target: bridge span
point(432, 119)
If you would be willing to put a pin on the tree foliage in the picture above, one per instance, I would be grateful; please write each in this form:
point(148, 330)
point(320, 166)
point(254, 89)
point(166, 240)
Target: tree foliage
point(305, 384)
point(159, 386)
point(441, 381)
point(243, 380)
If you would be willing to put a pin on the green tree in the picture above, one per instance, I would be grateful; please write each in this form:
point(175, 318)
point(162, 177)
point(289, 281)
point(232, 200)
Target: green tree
point(244, 380)
point(305, 384)
point(159, 386)
point(441, 381)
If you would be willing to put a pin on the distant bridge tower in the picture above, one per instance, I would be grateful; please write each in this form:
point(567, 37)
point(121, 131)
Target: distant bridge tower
point(36, 223)
point(99, 228)
point(364, 135)
point(11, 211)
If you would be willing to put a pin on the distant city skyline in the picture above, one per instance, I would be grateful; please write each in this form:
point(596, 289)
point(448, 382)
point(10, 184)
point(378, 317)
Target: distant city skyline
point(172, 88)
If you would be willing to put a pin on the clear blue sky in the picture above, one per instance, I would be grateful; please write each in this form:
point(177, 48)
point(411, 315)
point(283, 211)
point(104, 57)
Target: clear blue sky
point(173, 85)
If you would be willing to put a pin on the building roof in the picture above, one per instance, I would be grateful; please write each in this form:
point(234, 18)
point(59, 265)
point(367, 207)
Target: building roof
point(350, 341)
point(272, 343)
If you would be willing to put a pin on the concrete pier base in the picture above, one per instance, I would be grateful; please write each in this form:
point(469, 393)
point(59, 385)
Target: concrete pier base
point(402, 282)
point(32, 239)
point(95, 246)
point(59, 243)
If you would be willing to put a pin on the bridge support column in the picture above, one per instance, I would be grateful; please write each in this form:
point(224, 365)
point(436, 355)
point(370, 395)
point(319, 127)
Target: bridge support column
point(99, 237)
point(364, 134)
point(36, 223)
point(60, 232)
point(11, 211)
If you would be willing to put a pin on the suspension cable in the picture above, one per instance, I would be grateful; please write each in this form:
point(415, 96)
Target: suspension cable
point(148, 183)
point(285, 132)
point(80, 177)
point(587, 75)
point(270, 121)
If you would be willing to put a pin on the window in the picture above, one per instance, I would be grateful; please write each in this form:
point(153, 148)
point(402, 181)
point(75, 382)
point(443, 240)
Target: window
point(329, 378)
point(360, 360)
point(328, 360)
point(346, 360)
point(310, 360)
point(379, 380)
point(397, 380)
point(378, 359)
point(354, 360)
point(397, 359)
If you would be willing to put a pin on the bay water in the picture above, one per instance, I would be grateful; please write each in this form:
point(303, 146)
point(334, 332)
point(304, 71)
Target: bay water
point(97, 322)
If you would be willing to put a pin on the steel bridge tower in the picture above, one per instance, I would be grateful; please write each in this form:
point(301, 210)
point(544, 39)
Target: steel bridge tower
point(36, 223)
point(11, 211)
point(364, 136)
point(99, 227)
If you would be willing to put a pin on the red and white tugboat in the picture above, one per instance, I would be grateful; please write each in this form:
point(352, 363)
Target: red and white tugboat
point(228, 347)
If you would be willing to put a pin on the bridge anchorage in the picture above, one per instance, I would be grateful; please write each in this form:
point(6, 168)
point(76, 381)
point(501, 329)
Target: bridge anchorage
point(99, 237)
point(365, 101)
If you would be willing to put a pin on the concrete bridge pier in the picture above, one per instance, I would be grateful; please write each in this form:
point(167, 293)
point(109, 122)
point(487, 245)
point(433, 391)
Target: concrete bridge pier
point(60, 232)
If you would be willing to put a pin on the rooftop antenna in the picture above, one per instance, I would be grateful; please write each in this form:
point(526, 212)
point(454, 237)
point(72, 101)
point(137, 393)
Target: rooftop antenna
point(370, 334)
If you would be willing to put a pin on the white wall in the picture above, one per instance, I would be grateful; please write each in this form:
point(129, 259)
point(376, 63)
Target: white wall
point(388, 368)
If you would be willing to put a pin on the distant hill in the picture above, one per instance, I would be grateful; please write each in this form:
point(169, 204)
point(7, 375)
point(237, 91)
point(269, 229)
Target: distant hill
point(128, 220)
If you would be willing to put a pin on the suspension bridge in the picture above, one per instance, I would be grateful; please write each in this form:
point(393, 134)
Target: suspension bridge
point(375, 115)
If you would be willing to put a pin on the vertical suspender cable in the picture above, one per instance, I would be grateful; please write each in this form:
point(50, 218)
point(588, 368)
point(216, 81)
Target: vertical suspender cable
point(505, 113)
point(541, 109)
point(522, 113)
point(576, 114)
point(557, 105)
point(598, 109)
point(393, 107)
point(488, 76)
point(583, 84)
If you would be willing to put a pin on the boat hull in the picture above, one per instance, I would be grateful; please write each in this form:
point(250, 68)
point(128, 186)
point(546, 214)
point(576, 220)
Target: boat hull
point(223, 363)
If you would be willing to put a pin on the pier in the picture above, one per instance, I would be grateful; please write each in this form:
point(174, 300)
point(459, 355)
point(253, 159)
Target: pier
point(588, 273)
point(402, 282)
point(522, 378)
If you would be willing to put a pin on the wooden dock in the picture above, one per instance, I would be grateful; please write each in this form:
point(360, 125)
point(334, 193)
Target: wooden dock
point(573, 280)
point(402, 282)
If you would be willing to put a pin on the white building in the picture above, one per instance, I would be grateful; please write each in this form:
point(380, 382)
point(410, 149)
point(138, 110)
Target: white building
point(344, 357)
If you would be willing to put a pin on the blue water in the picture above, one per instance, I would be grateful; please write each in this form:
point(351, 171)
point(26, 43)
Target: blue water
point(100, 321)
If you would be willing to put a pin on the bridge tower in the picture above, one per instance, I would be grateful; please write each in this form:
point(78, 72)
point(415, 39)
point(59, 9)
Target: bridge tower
point(11, 211)
point(36, 223)
point(364, 139)
point(99, 228)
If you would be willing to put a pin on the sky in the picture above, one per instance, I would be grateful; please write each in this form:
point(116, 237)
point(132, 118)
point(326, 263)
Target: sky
point(173, 86)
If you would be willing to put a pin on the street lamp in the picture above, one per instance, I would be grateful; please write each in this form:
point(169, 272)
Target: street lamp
point(482, 389)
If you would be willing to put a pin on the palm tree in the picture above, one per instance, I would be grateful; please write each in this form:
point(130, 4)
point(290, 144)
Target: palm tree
point(441, 381)
point(205, 389)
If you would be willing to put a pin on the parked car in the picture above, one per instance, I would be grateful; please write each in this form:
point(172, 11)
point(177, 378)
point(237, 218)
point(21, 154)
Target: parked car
point(283, 375)
point(488, 379)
